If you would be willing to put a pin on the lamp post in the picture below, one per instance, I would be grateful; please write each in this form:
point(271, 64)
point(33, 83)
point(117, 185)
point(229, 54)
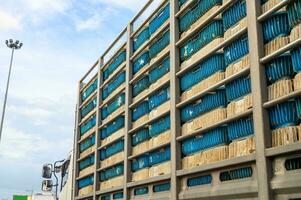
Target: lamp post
point(13, 45)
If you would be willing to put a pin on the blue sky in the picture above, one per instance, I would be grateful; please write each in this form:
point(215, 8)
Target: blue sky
point(62, 39)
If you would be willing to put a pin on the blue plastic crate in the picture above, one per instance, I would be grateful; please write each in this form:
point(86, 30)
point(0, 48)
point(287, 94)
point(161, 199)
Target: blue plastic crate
point(112, 149)
point(89, 107)
point(106, 197)
point(140, 163)
point(140, 62)
point(296, 59)
point(159, 19)
point(294, 12)
point(142, 37)
point(88, 91)
point(240, 128)
point(159, 156)
point(114, 105)
point(238, 88)
point(199, 180)
point(275, 26)
point(140, 191)
point(87, 143)
point(161, 187)
point(236, 50)
point(202, 38)
point(88, 161)
point(112, 127)
point(160, 70)
point(156, 47)
point(112, 172)
point(202, 71)
point(279, 68)
point(85, 182)
point(118, 195)
point(115, 63)
point(182, 2)
point(114, 84)
point(90, 123)
point(141, 85)
point(293, 164)
point(203, 105)
point(140, 136)
point(283, 114)
point(159, 126)
point(196, 10)
point(159, 98)
point(140, 110)
point(234, 14)
point(235, 174)
point(205, 141)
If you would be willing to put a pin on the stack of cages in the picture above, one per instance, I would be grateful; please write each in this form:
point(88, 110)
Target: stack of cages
point(281, 31)
point(149, 132)
point(215, 96)
point(112, 125)
point(86, 141)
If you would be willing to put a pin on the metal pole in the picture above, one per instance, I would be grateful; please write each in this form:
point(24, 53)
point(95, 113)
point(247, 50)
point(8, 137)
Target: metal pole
point(6, 92)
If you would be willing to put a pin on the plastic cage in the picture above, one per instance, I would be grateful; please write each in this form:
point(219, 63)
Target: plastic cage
point(159, 19)
point(140, 85)
point(88, 161)
point(294, 12)
point(275, 26)
point(160, 70)
point(159, 156)
point(238, 88)
point(118, 195)
point(112, 127)
point(112, 172)
point(199, 180)
point(112, 149)
point(279, 68)
point(90, 123)
point(236, 174)
point(236, 50)
point(159, 126)
point(159, 45)
point(240, 128)
point(140, 62)
point(203, 37)
point(114, 84)
point(140, 136)
point(207, 103)
point(142, 37)
point(140, 110)
point(115, 63)
point(296, 59)
point(161, 187)
point(85, 182)
point(293, 164)
point(89, 107)
point(88, 91)
point(283, 114)
point(140, 163)
point(202, 71)
point(87, 143)
point(140, 191)
point(159, 98)
point(114, 105)
point(205, 141)
point(234, 14)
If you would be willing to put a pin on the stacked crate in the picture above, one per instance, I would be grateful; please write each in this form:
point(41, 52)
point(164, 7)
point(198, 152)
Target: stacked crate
point(112, 196)
point(215, 87)
point(150, 99)
point(282, 73)
point(159, 190)
point(86, 140)
point(112, 128)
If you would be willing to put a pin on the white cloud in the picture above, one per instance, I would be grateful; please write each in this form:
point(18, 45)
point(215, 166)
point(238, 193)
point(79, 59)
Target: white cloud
point(8, 21)
point(92, 23)
point(132, 5)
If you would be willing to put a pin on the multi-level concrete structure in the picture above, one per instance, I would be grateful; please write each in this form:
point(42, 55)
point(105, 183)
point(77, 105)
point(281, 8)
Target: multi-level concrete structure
point(200, 100)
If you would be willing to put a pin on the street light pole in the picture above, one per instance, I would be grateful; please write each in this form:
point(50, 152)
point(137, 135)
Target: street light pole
point(12, 45)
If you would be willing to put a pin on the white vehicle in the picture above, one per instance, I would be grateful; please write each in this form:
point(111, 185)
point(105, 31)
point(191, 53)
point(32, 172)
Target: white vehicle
point(66, 178)
point(43, 196)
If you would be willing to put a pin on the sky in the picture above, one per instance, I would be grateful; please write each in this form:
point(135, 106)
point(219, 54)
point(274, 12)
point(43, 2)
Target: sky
point(62, 40)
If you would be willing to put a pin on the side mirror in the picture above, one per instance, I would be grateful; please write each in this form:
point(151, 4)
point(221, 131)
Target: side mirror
point(47, 171)
point(47, 185)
